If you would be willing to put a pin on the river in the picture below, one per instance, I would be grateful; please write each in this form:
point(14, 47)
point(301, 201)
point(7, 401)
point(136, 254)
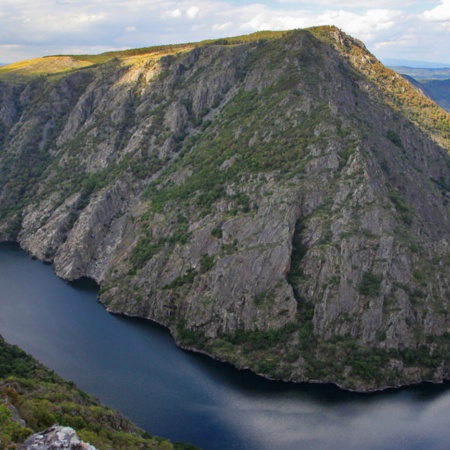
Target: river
point(134, 365)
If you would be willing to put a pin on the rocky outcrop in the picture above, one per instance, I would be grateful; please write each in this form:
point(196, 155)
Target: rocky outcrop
point(54, 438)
point(278, 203)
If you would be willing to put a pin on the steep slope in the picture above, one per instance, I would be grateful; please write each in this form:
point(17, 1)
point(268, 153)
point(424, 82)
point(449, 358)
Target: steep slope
point(437, 90)
point(278, 201)
point(434, 83)
point(34, 398)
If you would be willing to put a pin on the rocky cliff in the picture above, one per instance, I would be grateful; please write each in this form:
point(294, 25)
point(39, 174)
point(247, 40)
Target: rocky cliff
point(279, 201)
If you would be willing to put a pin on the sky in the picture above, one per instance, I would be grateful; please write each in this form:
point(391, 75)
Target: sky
point(408, 29)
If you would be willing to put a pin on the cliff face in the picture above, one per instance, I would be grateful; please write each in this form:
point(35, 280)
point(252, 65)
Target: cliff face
point(279, 203)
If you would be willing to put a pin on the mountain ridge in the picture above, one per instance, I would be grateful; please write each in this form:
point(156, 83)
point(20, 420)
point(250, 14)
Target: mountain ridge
point(260, 199)
point(413, 64)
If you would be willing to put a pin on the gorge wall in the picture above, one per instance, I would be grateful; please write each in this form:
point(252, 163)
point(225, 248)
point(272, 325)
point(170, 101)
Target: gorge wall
point(279, 201)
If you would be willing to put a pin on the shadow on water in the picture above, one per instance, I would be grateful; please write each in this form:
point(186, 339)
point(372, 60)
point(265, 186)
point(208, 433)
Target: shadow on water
point(248, 383)
point(325, 394)
point(85, 285)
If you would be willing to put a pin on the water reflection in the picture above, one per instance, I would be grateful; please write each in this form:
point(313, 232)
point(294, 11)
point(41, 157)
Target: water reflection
point(274, 415)
point(134, 366)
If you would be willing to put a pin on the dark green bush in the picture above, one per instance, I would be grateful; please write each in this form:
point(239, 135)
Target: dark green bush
point(370, 284)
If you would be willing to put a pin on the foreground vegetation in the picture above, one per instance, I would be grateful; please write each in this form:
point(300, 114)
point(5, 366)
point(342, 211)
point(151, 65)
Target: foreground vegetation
point(42, 398)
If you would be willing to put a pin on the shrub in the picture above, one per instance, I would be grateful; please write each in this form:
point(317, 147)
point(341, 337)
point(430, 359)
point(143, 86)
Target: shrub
point(370, 284)
point(395, 138)
point(216, 232)
point(206, 263)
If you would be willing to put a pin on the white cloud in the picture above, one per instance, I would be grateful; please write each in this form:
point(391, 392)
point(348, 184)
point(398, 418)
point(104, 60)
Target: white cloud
point(439, 13)
point(172, 14)
point(339, 4)
point(222, 26)
point(193, 12)
point(87, 18)
point(443, 26)
point(53, 25)
point(10, 46)
point(271, 21)
point(405, 41)
point(365, 26)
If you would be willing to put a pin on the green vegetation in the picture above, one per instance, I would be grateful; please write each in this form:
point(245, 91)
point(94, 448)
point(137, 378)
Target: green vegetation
point(280, 148)
point(190, 338)
point(187, 278)
point(260, 340)
point(217, 144)
point(206, 263)
point(401, 206)
point(435, 83)
point(395, 138)
point(11, 432)
point(370, 284)
point(43, 399)
point(247, 38)
point(271, 353)
point(142, 252)
point(217, 233)
point(64, 64)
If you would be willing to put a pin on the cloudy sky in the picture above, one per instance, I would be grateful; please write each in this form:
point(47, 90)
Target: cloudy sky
point(408, 29)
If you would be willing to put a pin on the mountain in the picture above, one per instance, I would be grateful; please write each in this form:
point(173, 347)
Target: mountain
point(434, 83)
point(420, 73)
point(278, 200)
point(394, 62)
point(439, 91)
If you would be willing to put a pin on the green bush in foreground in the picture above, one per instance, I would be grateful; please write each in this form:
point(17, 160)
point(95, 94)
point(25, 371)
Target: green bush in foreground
point(42, 398)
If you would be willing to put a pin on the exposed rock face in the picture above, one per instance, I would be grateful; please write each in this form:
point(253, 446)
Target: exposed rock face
point(54, 438)
point(15, 414)
point(279, 204)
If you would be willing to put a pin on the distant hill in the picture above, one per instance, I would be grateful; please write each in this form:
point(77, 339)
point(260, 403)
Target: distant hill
point(438, 90)
point(434, 83)
point(394, 62)
point(424, 73)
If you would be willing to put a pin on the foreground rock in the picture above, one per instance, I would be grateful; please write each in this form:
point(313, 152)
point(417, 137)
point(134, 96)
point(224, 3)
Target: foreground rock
point(55, 438)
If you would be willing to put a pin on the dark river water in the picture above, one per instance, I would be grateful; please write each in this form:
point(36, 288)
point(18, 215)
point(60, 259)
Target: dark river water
point(134, 366)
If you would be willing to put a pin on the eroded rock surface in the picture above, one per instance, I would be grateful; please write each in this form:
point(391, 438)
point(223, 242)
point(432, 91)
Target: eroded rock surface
point(55, 438)
point(281, 204)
